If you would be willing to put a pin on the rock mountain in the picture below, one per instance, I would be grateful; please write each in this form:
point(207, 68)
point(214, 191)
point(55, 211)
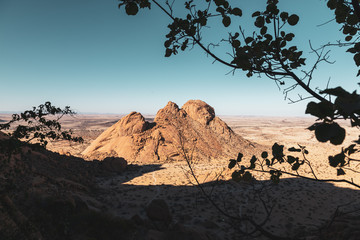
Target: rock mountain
point(193, 129)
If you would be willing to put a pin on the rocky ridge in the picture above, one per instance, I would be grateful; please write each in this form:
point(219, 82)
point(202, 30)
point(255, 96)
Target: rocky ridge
point(193, 130)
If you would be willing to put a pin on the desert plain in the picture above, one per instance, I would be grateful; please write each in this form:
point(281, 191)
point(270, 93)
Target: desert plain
point(299, 207)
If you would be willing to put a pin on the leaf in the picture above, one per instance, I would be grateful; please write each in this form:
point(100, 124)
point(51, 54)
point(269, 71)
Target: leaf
point(357, 59)
point(291, 159)
point(264, 154)
point(236, 12)
point(263, 30)
point(339, 137)
point(289, 37)
point(330, 131)
point(131, 8)
point(232, 163)
point(352, 50)
point(338, 159)
point(249, 40)
point(338, 91)
point(236, 35)
point(253, 159)
point(320, 110)
point(284, 15)
point(292, 149)
point(296, 166)
point(348, 38)
point(332, 4)
point(203, 21)
point(340, 172)
point(350, 149)
point(167, 43)
point(168, 52)
point(220, 10)
point(293, 19)
point(239, 157)
point(277, 152)
point(259, 22)
point(236, 44)
point(255, 14)
point(226, 21)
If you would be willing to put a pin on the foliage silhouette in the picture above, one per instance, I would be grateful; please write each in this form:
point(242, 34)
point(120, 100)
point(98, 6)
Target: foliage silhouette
point(269, 52)
point(41, 125)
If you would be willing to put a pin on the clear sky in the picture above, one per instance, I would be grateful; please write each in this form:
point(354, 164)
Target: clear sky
point(90, 55)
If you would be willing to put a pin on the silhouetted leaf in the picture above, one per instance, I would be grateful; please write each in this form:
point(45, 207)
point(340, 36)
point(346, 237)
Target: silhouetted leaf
point(232, 163)
point(292, 149)
point(350, 149)
point(295, 167)
point(291, 159)
point(236, 12)
point(338, 136)
point(267, 162)
point(167, 43)
point(284, 16)
point(357, 59)
point(259, 22)
point(320, 110)
point(226, 21)
point(239, 157)
point(332, 4)
point(289, 37)
point(352, 50)
point(330, 131)
point(168, 52)
point(263, 30)
point(264, 154)
point(236, 43)
point(255, 14)
point(131, 8)
point(348, 38)
point(338, 91)
point(253, 159)
point(278, 152)
point(340, 172)
point(249, 40)
point(293, 19)
point(338, 159)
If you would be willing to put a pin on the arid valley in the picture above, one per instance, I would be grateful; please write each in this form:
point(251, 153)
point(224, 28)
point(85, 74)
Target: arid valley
point(295, 208)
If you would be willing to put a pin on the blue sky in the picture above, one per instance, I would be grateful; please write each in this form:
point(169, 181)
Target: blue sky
point(90, 55)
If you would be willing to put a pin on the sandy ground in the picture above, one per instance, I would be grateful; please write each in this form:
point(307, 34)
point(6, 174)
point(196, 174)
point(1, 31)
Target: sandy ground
point(298, 205)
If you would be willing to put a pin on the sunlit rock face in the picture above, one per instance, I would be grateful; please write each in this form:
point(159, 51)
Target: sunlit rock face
point(193, 129)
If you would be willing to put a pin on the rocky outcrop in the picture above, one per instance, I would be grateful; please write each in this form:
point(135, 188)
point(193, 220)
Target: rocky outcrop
point(192, 131)
point(199, 111)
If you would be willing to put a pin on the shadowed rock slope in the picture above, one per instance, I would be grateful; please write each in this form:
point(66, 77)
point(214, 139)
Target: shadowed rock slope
point(193, 129)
